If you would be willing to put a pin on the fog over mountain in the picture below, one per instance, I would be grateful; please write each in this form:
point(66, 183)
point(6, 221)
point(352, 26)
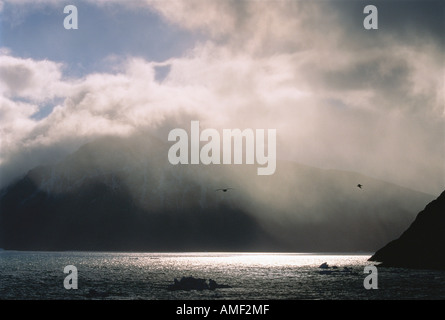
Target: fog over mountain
point(339, 96)
point(85, 116)
point(121, 194)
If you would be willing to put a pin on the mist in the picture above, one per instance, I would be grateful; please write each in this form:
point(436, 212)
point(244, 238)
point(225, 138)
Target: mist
point(341, 98)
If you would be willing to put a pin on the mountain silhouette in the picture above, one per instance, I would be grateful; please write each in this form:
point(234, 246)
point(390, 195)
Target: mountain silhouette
point(122, 194)
point(422, 245)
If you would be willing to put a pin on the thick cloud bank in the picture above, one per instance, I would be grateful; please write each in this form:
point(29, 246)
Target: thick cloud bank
point(339, 96)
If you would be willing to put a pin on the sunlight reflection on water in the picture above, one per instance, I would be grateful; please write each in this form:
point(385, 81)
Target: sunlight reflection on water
point(39, 275)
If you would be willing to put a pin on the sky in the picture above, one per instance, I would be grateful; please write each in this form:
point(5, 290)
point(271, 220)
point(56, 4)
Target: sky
point(339, 96)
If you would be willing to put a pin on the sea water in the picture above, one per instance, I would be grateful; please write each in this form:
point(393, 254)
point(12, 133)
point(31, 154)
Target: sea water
point(265, 276)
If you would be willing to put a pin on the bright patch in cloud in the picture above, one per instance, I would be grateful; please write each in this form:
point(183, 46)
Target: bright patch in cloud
point(374, 105)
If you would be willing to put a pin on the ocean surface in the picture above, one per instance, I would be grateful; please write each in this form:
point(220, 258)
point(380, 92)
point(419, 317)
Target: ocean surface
point(265, 276)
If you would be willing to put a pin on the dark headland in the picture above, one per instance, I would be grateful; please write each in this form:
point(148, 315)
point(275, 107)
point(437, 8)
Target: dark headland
point(119, 194)
point(422, 245)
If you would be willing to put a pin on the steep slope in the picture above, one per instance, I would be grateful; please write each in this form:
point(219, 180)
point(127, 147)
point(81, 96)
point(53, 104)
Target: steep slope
point(422, 245)
point(110, 195)
point(123, 194)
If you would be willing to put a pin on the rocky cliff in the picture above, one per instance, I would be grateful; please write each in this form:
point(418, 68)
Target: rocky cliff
point(422, 245)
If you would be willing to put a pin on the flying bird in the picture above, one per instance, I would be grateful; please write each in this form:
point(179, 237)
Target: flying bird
point(223, 190)
point(359, 185)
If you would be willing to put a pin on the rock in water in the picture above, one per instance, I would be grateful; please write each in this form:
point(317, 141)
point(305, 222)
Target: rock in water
point(422, 245)
point(191, 283)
